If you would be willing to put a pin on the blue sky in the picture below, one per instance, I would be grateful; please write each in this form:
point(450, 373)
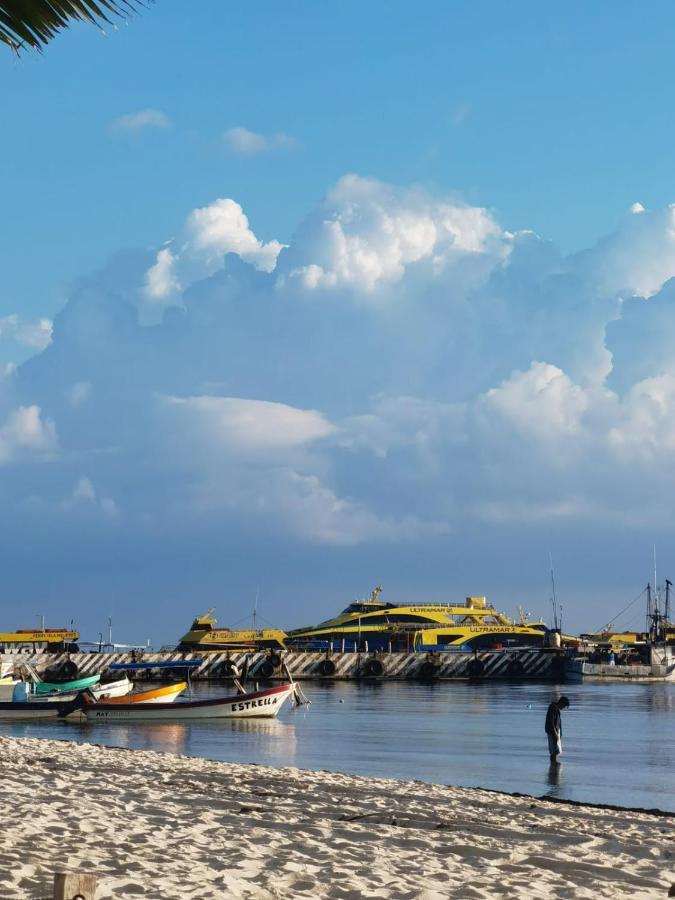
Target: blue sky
point(550, 117)
point(458, 361)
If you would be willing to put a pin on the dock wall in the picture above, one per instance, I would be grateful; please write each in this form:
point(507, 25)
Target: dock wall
point(533, 664)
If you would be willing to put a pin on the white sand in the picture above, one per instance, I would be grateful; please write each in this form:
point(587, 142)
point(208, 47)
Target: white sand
point(163, 826)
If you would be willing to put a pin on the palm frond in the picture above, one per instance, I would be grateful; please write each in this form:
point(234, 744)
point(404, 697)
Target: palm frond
point(33, 23)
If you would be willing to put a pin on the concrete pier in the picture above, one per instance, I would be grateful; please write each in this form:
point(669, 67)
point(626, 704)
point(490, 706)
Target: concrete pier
point(532, 664)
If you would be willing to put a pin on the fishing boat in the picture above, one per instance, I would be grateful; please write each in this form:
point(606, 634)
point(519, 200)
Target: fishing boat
point(258, 704)
point(60, 708)
point(101, 691)
point(66, 687)
point(165, 694)
point(376, 625)
point(649, 658)
point(64, 690)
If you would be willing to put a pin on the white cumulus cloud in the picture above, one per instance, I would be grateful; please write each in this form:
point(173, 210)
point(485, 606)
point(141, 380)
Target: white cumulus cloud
point(143, 119)
point(242, 140)
point(25, 434)
point(370, 234)
point(36, 334)
point(250, 424)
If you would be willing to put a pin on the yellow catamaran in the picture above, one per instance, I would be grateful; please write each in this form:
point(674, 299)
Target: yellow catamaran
point(422, 626)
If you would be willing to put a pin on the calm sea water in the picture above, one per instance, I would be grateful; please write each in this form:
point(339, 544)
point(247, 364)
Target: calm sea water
point(618, 740)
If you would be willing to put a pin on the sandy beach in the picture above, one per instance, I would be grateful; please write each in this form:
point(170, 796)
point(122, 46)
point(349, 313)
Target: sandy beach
point(162, 826)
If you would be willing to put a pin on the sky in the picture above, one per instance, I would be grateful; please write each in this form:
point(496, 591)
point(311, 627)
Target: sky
point(301, 299)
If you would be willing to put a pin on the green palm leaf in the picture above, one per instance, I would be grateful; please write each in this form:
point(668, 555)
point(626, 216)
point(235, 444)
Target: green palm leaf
point(33, 23)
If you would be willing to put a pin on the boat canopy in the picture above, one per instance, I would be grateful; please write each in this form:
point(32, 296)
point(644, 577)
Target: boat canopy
point(160, 664)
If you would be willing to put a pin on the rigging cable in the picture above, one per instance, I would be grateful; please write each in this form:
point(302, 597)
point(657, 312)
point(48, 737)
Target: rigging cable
point(625, 609)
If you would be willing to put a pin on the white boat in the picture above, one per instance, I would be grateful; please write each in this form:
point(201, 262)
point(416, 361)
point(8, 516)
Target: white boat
point(258, 704)
point(24, 691)
point(659, 668)
point(119, 688)
point(54, 707)
point(30, 709)
point(653, 658)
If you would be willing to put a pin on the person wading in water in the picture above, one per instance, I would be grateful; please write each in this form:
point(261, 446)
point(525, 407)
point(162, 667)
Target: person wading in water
point(553, 727)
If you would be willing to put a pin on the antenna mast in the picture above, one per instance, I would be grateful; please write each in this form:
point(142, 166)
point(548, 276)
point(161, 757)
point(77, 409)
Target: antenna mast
point(255, 607)
point(554, 599)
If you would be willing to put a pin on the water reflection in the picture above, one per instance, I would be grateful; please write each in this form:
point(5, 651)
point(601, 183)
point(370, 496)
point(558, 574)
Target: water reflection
point(554, 779)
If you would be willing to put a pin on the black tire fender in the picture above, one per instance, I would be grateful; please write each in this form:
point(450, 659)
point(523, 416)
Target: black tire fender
point(374, 668)
point(476, 668)
point(69, 668)
point(516, 667)
point(428, 670)
point(327, 667)
point(267, 669)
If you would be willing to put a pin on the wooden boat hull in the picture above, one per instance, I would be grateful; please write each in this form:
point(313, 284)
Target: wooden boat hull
point(260, 704)
point(32, 709)
point(54, 707)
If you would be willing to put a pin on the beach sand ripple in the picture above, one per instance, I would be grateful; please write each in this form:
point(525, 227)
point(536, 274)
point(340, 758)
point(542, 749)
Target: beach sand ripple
point(161, 826)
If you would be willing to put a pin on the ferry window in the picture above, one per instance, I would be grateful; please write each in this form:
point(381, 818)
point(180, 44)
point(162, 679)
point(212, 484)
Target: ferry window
point(406, 617)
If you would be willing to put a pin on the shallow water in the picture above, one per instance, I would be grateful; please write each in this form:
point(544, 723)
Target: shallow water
point(618, 739)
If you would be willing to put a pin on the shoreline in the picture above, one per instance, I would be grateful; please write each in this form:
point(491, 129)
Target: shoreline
point(543, 798)
point(153, 824)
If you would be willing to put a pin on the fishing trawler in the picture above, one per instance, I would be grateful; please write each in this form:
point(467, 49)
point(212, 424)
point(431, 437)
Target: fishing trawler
point(204, 635)
point(373, 624)
point(649, 657)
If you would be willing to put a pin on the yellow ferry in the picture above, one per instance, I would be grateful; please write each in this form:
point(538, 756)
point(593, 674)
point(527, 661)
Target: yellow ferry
point(37, 639)
point(422, 626)
point(204, 635)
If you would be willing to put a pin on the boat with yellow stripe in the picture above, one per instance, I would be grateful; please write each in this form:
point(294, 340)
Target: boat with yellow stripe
point(377, 625)
point(204, 635)
point(38, 639)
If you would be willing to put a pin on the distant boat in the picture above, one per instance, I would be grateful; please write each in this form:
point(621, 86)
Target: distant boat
point(203, 635)
point(659, 666)
point(651, 659)
point(53, 639)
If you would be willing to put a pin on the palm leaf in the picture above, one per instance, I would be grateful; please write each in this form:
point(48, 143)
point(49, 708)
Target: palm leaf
point(33, 23)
